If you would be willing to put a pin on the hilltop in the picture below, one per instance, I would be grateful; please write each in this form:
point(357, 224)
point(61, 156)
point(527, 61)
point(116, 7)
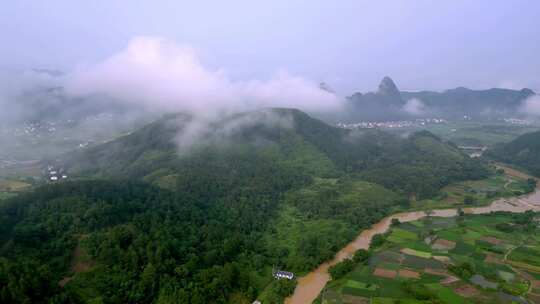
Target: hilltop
point(420, 164)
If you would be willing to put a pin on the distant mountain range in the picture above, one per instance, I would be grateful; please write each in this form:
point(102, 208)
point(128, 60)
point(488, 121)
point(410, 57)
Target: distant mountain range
point(51, 102)
point(389, 103)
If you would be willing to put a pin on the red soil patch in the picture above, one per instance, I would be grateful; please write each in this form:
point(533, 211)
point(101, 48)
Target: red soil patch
point(80, 266)
point(77, 265)
point(535, 283)
point(350, 299)
point(409, 274)
point(491, 240)
point(466, 291)
point(491, 258)
point(442, 244)
point(512, 172)
point(385, 273)
point(535, 298)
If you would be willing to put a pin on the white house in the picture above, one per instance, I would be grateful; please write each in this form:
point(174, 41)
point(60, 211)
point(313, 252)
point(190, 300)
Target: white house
point(283, 275)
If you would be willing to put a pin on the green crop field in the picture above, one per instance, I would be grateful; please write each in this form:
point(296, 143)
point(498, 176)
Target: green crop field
point(474, 193)
point(479, 133)
point(491, 258)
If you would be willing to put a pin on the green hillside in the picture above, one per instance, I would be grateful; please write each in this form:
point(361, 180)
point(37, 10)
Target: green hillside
point(419, 165)
point(185, 211)
point(523, 152)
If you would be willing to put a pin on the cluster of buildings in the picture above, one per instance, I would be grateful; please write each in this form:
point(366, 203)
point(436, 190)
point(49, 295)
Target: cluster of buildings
point(392, 124)
point(54, 174)
point(280, 274)
point(31, 129)
point(516, 121)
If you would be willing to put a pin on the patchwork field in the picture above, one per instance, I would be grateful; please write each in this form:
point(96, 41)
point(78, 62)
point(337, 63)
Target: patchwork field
point(491, 258)
point(475, 193)
point(479, 133)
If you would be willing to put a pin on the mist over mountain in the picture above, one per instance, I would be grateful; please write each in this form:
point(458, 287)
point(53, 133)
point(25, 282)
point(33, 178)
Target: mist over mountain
point(388, 103)
point(160, 150)
point(241, 152)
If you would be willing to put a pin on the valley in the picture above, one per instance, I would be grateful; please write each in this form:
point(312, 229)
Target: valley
point(269, 152)
point(347, 291)
point(287, 190)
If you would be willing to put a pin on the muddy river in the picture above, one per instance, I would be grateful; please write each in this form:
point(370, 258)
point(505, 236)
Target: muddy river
point(310, 285)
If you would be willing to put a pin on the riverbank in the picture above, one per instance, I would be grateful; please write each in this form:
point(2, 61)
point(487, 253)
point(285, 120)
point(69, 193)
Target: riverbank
point(310, 285)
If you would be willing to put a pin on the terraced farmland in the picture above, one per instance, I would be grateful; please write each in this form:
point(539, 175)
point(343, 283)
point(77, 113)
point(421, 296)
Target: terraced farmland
point(479, 192)
point(491, 258)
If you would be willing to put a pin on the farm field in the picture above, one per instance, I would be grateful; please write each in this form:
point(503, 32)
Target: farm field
point(469, 133)
point(491, 258)
point(475, 193)
point(10, 187)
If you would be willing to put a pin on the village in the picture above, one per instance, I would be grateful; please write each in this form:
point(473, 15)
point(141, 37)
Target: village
point(392, 124)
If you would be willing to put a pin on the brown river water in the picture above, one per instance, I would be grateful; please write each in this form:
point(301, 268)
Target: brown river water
point(310, 285)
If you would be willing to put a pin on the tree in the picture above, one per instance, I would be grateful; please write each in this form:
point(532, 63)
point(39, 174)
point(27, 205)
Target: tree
point(341, 269)
point(376, 241)
point(361, 256)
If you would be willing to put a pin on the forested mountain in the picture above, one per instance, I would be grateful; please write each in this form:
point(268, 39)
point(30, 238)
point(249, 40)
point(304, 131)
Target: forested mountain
point(388, 103)
point(455, 103)
point(186, 210)
point(419, 164)
point(523, 151)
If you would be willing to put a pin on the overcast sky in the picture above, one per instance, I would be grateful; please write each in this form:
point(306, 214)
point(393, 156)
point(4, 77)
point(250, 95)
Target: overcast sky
point(349, 44)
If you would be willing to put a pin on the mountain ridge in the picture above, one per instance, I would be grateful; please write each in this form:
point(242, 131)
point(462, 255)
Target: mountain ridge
point(286, 136)
point(387, 103)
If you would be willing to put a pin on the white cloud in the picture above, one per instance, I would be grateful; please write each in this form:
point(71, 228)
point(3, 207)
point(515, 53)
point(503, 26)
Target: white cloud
point(163, 74)
point(13, 86)
point(414, 106)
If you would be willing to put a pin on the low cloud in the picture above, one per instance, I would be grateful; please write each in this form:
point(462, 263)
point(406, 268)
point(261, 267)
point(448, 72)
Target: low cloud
point(152, 76)
point(15, 85)
point(531, 106)
point(160, 73)
point(414, 106)
point(206, 130)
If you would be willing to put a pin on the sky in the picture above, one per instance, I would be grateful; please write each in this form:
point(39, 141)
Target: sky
point(349, 44)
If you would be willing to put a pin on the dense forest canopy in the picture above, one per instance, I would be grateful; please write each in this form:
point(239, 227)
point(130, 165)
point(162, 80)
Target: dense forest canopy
point(419, 164)
point(149, 222)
